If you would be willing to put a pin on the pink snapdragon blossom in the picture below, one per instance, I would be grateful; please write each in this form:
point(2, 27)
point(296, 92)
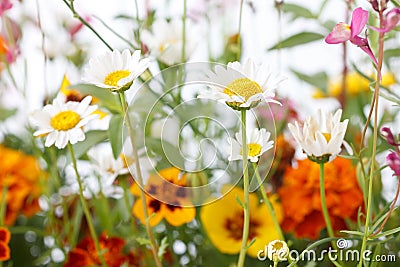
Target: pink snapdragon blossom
point(393, 160)
point(5, 5)
point(390, 21)
point(343, 32)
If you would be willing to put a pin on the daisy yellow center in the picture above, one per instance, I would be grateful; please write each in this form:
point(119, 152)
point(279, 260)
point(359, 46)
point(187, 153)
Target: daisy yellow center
point(243, 87)
point(113, 78)
point(253, 149)
point(277, 245)
point(327, 136)
point(65, 120)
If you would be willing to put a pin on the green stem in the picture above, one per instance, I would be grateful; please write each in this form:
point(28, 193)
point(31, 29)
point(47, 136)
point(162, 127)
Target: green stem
point(375, 138)
point(246, 203)
point(139, 178)
point(85, 207)
point(323, 202)
point(268, 204)
point(239, 50)
point(184, 17)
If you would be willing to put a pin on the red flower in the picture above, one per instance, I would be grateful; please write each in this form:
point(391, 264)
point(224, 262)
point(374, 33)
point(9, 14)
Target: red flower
point(85, 253)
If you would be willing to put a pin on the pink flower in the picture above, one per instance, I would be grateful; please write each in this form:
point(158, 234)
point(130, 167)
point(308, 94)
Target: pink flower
point(391, 20)
point(4, 5)
point(393, 160)
point(388, 135)
point(343, 32)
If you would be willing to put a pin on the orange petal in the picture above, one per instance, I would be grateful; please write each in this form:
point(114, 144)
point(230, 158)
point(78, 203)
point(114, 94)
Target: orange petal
point(5, 235)
point(4, 252)
point(177, 216)
point(156, 213)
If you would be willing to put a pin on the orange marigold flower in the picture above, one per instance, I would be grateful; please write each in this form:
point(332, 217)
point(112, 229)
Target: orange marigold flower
point(301, 200)
point(4, 252)
point(166, 198)
point(223, 222)
point(5, 235)
point(85, 253)
point(21, 174)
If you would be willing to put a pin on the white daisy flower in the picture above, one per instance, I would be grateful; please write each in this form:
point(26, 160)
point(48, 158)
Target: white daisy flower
point(93, 182)
point(115, 70)
point(243, 86)
point(322, 138)
point(104, 162)
point(165, 41)
point(257, 143)
point(62, 122)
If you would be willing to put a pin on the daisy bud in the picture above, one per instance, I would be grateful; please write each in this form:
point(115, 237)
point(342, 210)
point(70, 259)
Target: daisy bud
point(277, 251)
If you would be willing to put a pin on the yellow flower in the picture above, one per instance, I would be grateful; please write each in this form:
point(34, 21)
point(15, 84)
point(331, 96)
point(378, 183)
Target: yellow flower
point(355, 84)
point(223, 222)
point(166, 198)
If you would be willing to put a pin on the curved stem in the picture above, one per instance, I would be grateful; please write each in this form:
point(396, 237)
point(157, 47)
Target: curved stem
point(246, 202)
point(389, 213)
point(85, 208)
point(139, 178)
point(375, 137)
point(323, 202)
point(268, 203)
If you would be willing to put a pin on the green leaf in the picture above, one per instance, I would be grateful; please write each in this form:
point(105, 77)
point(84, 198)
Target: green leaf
point(240, 202)
point(298, 39)
point(395, 2)
point(92, 139)
point(319, 80)
point(352, 232)
point(163, 247)
point(298, 11)
point(105, 97)
point(389, 232)
point(6, 113)
point(115, 133)
point(143, 241)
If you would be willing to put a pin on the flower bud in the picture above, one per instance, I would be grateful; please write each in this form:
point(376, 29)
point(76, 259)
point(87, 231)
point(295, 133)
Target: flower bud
point(393, 160)
point(278, 251)
point(388, 135)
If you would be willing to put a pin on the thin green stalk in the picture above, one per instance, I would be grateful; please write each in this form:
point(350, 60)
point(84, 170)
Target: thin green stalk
point(85, 208)
point(268, 204)
point(153, 244)
point(323, 203)
point(375, 137)
point(246, 202)
point(183, 54)
point(184, 17)
point(239, 50)
point(115, 33)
